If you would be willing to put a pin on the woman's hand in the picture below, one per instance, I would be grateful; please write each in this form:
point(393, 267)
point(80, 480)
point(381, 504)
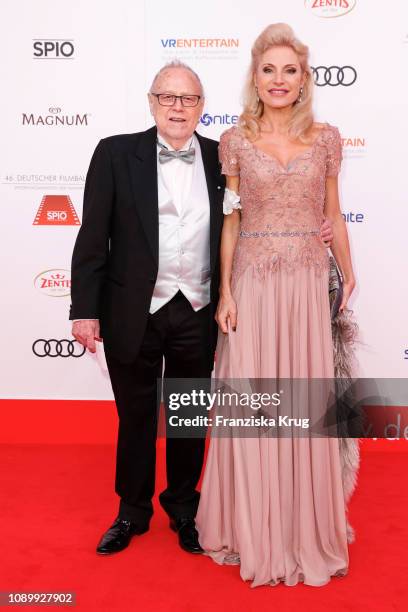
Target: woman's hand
point(340, 246)
point(348, 288)
point(326, 232)
point(226, 309)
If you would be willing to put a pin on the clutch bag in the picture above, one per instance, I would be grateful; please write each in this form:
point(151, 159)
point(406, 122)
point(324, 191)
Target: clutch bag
point(335, 288)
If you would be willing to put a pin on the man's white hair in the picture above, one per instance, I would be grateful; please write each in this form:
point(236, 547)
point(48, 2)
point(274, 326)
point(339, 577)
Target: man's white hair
point(177, 64)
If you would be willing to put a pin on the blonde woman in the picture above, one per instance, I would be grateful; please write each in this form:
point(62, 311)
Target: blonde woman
point(275, 505)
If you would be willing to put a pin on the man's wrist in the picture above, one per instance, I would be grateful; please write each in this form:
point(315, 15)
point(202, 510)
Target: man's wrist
point(77, 320)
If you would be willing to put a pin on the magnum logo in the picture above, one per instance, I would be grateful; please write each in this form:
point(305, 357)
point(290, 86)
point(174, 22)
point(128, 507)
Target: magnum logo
point(55, 118)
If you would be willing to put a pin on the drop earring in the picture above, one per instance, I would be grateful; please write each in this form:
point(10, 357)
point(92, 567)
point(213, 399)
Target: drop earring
point(299, 99)
point(257, 95)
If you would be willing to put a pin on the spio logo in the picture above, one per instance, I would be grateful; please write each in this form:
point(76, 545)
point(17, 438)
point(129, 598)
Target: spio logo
point(334, 75)
point(225, 119)
point(53, 48)
point(56, 282)
point(58, 348)
point(330, 8)
point(56, 210)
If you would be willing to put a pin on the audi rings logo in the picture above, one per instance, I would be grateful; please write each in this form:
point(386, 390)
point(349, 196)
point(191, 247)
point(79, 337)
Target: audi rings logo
point(58, 348)
point(334, 75)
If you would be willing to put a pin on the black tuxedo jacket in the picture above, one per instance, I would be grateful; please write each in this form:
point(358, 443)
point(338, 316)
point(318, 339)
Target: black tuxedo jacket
point(115, 258)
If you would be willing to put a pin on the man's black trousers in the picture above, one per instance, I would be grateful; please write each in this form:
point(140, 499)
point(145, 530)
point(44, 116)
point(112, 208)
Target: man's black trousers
point(181, 336)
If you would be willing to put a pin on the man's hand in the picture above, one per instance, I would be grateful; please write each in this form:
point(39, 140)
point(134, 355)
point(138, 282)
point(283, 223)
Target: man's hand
point(326, 232)
point(86, 332)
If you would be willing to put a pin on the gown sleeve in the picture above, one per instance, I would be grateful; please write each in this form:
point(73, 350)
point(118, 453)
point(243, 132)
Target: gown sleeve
point(229, 153)
point(334, 152)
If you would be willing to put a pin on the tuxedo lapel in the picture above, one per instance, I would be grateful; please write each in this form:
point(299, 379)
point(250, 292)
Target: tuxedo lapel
point(215, 186)
point(143, 173)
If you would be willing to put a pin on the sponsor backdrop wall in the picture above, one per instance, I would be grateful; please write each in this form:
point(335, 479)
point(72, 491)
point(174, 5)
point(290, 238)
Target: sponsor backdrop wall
point(74, 72)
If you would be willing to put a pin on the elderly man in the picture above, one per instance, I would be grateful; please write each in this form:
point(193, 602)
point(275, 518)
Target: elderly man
point(145, 265)
point(145, 268)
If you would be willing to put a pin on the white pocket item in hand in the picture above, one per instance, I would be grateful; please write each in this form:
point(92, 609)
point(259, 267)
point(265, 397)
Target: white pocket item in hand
point(100, 356)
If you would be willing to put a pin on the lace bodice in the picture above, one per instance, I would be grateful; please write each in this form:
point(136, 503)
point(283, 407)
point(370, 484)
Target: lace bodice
point(282, 207)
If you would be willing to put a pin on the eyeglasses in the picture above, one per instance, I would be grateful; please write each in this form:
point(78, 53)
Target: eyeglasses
point(170, 99)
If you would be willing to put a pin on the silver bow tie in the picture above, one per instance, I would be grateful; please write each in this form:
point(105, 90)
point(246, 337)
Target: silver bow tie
point(186, 156)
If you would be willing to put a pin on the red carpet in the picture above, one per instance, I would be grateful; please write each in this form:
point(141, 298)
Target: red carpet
point(58, 499)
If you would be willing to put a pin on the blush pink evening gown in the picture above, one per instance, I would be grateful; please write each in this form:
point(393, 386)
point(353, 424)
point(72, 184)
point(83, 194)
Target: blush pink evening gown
point(276, 506)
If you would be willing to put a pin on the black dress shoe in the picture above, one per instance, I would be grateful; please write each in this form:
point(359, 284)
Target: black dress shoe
point(118, 536)
point(187, 534)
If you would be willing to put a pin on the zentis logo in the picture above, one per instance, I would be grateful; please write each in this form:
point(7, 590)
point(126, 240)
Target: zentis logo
point(330, 8)
point(55, 282)
point(56, 210)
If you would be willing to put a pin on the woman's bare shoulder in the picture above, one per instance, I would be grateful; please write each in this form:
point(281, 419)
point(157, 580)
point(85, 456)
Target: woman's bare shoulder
point(317, 127)
point(323, 130)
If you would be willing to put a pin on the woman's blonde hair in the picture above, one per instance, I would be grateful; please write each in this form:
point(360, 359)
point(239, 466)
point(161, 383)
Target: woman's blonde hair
point(277, 34)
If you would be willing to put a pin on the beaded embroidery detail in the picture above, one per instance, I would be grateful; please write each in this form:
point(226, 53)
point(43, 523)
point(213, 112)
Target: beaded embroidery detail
point(287, 202)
